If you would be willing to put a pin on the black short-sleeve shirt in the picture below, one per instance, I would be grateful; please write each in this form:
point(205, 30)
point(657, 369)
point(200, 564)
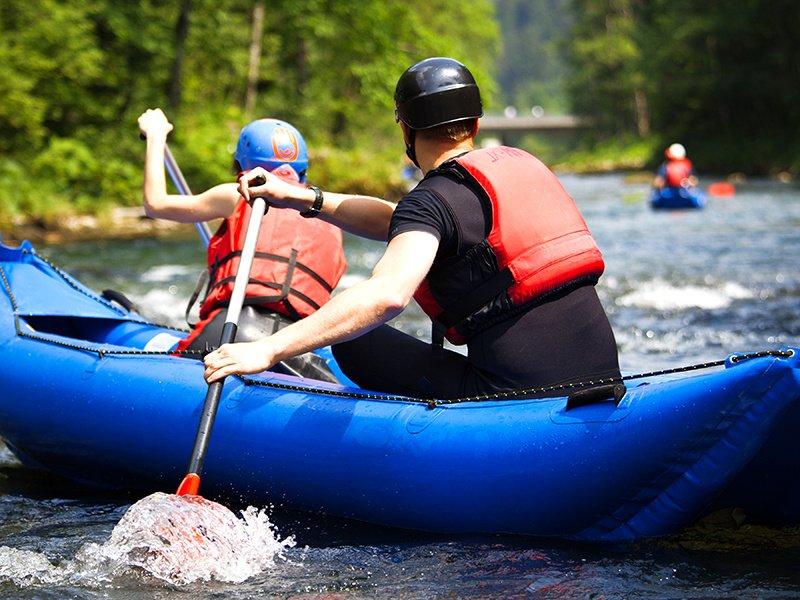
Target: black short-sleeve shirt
point(557, 341)
point(421, 210)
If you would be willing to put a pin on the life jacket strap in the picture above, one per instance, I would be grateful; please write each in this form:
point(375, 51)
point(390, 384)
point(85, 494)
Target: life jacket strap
point(477, 299)
point(285, 290)
point(437, 335)
point(202, 281)
point(277, 258)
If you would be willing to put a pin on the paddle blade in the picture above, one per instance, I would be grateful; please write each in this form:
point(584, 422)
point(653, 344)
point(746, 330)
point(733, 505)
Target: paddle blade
point(721, 189)
point(189, 486)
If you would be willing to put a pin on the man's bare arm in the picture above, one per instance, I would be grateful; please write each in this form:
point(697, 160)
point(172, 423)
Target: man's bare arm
point(364, 216)
point(354, 312)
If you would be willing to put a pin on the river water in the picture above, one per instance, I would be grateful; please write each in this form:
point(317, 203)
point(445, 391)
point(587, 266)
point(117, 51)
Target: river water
point(679, 287)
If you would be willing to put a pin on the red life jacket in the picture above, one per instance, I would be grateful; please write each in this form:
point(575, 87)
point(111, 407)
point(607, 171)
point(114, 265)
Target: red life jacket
point(297, 264)
point(538, 245)
point(678, 171)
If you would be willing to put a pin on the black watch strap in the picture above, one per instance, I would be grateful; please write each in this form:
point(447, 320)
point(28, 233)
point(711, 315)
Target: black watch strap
point(316, 206)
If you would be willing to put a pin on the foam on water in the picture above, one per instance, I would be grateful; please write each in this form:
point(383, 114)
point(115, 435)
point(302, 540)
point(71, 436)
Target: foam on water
point(6, 457)
point(168, 273)
point(166, 306)
point(162, 539)
point(661, 295)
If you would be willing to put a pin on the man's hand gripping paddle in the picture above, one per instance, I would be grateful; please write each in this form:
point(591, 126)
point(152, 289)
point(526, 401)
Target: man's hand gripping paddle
point(191, 483)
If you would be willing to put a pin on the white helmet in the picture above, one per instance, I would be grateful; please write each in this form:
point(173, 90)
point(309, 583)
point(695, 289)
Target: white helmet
point(675, 152)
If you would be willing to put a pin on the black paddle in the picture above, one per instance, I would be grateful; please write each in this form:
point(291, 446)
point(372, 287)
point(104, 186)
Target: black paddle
point(191, 482)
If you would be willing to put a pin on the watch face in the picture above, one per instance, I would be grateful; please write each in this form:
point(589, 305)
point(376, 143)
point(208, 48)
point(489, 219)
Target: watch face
point(313, 210)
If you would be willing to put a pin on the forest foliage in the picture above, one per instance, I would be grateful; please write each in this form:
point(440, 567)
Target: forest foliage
point(532, 66)
point(72, 85)
point(721, 77)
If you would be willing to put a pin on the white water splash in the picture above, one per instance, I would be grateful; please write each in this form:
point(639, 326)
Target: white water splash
point(6, 457)
point(168, 273)
point(164, 305)
point(660, 295)
point(24, 568)
point(177, 540)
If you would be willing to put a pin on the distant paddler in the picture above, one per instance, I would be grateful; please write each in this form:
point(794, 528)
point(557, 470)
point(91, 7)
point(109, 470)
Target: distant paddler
point(675, 183)
point(677, 171)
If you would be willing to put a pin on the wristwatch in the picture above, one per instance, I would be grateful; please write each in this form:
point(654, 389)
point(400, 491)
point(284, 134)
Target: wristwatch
point(313, 211)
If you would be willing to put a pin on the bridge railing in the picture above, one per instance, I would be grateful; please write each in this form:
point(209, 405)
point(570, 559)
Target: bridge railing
point(499, 124)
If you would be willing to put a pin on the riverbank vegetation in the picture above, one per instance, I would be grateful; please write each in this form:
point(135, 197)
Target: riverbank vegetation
point(722, 78)
point(75, 75)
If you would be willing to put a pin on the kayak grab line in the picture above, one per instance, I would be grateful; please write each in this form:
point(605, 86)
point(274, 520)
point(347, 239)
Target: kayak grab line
point(71, 283)
point(525, 393)
point(93, 349)
point(430, 402)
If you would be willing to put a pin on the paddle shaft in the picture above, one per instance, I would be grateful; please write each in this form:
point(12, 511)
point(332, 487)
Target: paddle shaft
point(214, 392)
point(183, 188)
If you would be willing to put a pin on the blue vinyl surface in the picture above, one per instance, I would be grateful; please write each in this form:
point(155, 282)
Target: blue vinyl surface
point(677, 198)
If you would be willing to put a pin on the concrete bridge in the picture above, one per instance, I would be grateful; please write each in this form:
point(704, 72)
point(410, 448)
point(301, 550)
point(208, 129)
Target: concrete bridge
point(500, 124)
point(509, 130)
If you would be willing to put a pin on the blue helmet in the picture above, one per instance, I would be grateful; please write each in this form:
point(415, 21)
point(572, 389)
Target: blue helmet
point(270, 143)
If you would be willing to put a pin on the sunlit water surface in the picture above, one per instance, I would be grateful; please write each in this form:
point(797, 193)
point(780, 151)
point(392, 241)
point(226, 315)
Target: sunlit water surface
point(679, 288)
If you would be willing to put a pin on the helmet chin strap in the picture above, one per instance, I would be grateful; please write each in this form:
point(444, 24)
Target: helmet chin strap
point(410, 151)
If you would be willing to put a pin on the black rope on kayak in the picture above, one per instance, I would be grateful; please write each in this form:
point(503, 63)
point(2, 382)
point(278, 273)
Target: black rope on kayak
point(515, 394)
point(521, 394)
point(105, 302)
point(100, 351)
point(11, 298)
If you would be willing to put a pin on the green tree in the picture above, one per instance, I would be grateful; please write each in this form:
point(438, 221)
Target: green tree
point(72, 85)
point(532, 67)
point(722, 78)
point(607, 79)
point(728, 81)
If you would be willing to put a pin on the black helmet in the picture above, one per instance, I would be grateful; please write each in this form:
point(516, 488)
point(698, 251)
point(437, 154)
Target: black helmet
point(436, 91)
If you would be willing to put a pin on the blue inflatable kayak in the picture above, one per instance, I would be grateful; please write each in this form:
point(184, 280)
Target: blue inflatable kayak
point(89, 394)
point(676, 198)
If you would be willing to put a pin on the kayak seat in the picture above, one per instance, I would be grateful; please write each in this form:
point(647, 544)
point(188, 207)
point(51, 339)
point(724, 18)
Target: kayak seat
point(119, 298)
point(138, 335)
point(256, 323)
